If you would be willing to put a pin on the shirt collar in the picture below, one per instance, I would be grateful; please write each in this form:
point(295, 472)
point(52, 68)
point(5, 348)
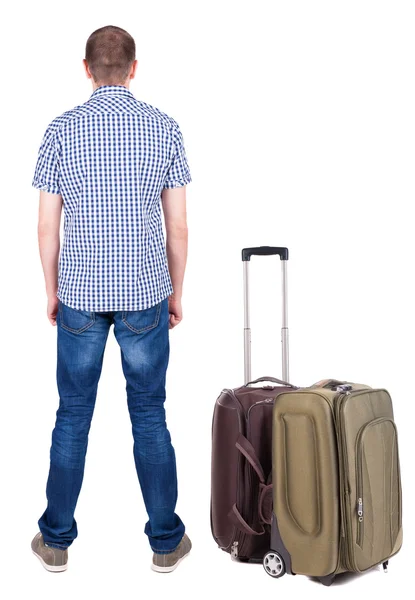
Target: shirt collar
point(112, 90)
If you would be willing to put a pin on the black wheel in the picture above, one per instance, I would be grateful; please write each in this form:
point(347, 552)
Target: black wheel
point(274, 564)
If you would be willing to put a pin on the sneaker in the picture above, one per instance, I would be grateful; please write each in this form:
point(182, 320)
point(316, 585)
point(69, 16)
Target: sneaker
point(164, 563)
point(53, 559)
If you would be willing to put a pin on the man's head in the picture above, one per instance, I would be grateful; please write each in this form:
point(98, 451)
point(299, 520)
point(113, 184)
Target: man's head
point(110, 57)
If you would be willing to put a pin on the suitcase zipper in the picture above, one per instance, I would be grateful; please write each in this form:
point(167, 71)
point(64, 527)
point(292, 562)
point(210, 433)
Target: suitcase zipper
point(360, 521)
point(339, 400)
point(359, 475)
point(359, 488)
point(239, 537)
point(265, 402)
point(248, 414)
point(346, 525)
point(237, 546)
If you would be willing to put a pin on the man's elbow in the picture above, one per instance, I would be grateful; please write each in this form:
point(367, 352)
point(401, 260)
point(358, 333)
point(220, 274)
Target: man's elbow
point(177, 231)
point(46, 229)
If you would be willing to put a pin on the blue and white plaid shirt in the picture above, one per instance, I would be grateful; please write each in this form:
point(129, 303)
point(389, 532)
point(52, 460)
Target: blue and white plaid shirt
point(110, 159)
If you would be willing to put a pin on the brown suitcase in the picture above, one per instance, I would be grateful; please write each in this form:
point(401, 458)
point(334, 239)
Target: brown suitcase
point(241, 487)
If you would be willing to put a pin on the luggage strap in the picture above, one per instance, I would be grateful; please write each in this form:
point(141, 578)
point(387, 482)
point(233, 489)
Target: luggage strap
point(246, 448)
point(265, 491)
point(238, 520)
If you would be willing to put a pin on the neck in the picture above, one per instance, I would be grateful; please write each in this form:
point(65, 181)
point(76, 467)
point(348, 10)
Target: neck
point(95, 86)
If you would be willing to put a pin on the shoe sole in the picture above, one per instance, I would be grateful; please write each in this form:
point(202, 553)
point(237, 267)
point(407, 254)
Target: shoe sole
point(168, 569)
point(50, 568)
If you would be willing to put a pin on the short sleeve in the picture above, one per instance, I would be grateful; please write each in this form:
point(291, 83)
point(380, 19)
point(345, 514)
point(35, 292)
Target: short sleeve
point(46, 176)
point(178, 173)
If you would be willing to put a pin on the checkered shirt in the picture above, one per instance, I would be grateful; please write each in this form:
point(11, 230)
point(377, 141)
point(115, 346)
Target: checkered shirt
point(110, 159)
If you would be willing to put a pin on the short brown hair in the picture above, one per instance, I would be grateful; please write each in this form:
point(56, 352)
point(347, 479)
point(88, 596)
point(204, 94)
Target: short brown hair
point(110, 52)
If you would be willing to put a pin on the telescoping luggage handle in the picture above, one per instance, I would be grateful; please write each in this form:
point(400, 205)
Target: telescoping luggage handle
point(246, 257)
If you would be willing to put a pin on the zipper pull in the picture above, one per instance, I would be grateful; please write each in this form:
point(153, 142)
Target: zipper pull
point(234, 550)
point(360, 509)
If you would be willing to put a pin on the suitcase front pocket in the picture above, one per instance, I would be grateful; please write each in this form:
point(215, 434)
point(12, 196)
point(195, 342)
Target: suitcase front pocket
point(378, 490)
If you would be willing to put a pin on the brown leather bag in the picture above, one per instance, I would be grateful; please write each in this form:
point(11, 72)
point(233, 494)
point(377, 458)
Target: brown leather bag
point(241, 494)
point(241, 500)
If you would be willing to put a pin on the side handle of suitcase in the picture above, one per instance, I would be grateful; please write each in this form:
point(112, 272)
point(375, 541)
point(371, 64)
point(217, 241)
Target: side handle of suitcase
point(246, 257)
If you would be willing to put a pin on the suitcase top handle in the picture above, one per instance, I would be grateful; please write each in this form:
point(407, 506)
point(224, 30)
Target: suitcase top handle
point(331, 384)
point(264, 251)
point(274, 380)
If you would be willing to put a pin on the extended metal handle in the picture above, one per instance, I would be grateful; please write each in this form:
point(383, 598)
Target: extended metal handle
point(262, 251)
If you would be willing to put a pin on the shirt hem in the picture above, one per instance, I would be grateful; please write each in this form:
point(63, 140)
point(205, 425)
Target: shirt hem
point(117, 308)
point(177, 183)
point(45, 187)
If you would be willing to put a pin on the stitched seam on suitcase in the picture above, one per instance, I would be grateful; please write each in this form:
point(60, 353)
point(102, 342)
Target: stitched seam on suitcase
point(396, 504)
point(317, 479)
point(389, 510)
point(385, 499)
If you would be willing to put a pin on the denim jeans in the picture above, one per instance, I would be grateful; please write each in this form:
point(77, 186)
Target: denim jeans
point(143, 337)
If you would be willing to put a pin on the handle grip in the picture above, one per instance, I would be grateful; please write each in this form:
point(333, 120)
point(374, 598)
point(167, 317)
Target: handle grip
point(273, 380)
point(264, 251)
point(329, 384)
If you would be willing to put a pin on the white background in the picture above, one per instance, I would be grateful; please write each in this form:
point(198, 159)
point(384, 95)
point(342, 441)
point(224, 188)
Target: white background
point(298, 119)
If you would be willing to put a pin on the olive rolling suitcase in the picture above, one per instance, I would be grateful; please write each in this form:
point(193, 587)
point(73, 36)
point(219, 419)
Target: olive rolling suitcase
point(337, 499)
point(241, 497)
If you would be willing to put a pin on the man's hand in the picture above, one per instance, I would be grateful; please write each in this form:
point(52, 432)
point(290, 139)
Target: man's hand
point(175, 311)
point(52, 310)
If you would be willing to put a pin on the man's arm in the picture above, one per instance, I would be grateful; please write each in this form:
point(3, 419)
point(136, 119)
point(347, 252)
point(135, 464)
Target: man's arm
point(174, 209)
point(50, 209)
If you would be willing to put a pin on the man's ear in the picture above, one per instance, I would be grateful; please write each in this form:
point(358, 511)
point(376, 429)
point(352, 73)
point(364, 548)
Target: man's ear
point(87, 71)
point(133, 69)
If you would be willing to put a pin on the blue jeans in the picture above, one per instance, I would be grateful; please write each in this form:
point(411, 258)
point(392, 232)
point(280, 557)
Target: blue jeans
point(143, 337)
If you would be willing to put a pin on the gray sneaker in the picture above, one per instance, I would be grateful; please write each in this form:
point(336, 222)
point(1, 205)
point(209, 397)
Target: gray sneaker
point(53, 559)
point(164, 563)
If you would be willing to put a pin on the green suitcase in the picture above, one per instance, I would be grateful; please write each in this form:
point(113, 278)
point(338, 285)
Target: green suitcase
point(337, 498)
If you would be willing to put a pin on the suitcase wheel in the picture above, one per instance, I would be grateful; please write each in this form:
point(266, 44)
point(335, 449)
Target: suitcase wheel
point(274, 564)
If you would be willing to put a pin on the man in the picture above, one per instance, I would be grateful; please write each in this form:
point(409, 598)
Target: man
point(112, 163)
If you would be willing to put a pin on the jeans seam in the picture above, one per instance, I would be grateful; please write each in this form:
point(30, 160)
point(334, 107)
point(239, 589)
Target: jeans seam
point(81, 329)
point(152, 326)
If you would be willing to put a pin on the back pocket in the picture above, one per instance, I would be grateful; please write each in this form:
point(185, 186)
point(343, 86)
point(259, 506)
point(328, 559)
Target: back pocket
point(140, 321)
point(75, 320)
